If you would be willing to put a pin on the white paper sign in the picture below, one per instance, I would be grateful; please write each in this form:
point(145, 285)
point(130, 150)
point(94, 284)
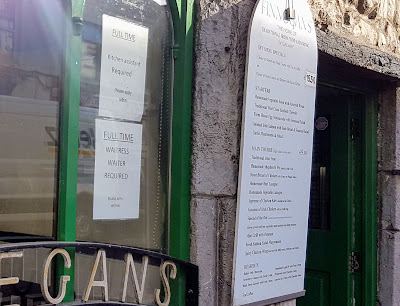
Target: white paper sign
point(123, 69)
point(276, 151)
point(117, 170)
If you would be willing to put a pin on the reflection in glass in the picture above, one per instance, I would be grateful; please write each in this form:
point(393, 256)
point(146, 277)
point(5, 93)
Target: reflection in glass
point(30, 69)
point(151, 228)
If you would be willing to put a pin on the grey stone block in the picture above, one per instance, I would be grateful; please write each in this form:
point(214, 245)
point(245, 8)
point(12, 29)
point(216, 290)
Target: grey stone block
point(389, 265)
point(221, 30)
point(203, 250)
point(389, 129)
point(389, 186)
point(226, 242)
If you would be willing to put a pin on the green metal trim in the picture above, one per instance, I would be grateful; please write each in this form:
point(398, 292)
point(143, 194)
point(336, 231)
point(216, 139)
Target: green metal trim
point(181, 130)
point(370, 215)
point(181, 142)
point(175, 6)
point(179, 242)
point(69, 134)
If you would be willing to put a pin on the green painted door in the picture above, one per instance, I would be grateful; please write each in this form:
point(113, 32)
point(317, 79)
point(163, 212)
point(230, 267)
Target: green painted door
point(335, 203)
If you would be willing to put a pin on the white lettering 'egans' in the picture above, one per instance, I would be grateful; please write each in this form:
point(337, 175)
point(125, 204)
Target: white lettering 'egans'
point(101, 259)
point(101, 254)
point(137, 289)
point(164, 278)
point(63, 280)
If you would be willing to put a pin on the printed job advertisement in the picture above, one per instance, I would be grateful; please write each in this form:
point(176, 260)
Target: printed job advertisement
point(123, 69)
point(117, 170)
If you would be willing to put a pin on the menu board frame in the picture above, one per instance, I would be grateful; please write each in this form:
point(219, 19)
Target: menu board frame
point(285, 94)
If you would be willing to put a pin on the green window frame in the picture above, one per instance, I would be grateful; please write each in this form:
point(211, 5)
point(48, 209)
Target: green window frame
point(179, 244)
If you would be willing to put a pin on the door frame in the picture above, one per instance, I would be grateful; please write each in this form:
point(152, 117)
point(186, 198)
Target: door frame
point(369, 215)
point(369, 198)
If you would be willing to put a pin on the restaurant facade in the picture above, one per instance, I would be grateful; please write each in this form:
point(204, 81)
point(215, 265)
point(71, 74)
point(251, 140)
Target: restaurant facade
point(121, 129)
point(353, 249)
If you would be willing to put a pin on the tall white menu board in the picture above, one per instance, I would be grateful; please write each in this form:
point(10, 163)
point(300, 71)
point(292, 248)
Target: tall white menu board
point(276, 151)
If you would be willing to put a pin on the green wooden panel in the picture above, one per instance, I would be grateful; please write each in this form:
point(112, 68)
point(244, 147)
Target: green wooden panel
point(317, 290)
point(353, 213)
point(356, 193)
point(369, 213)
point(328, 249)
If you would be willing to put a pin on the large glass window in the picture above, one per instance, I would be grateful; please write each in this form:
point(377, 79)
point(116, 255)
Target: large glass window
point(125, 117)
point(31, 36)
point(123, 165)
point(31, 44)
point(123, 174)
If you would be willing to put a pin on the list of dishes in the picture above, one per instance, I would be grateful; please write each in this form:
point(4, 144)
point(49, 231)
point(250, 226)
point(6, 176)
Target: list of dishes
point(276, 155)
point(117, 170)
point(123, 69)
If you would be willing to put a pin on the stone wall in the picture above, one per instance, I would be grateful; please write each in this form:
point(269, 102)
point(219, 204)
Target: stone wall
point(373, 23)
point(220, 52)
point(363, 33)
point(389, 196)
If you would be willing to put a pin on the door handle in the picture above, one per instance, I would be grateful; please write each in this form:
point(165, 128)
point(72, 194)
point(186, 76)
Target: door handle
point(354, 262)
